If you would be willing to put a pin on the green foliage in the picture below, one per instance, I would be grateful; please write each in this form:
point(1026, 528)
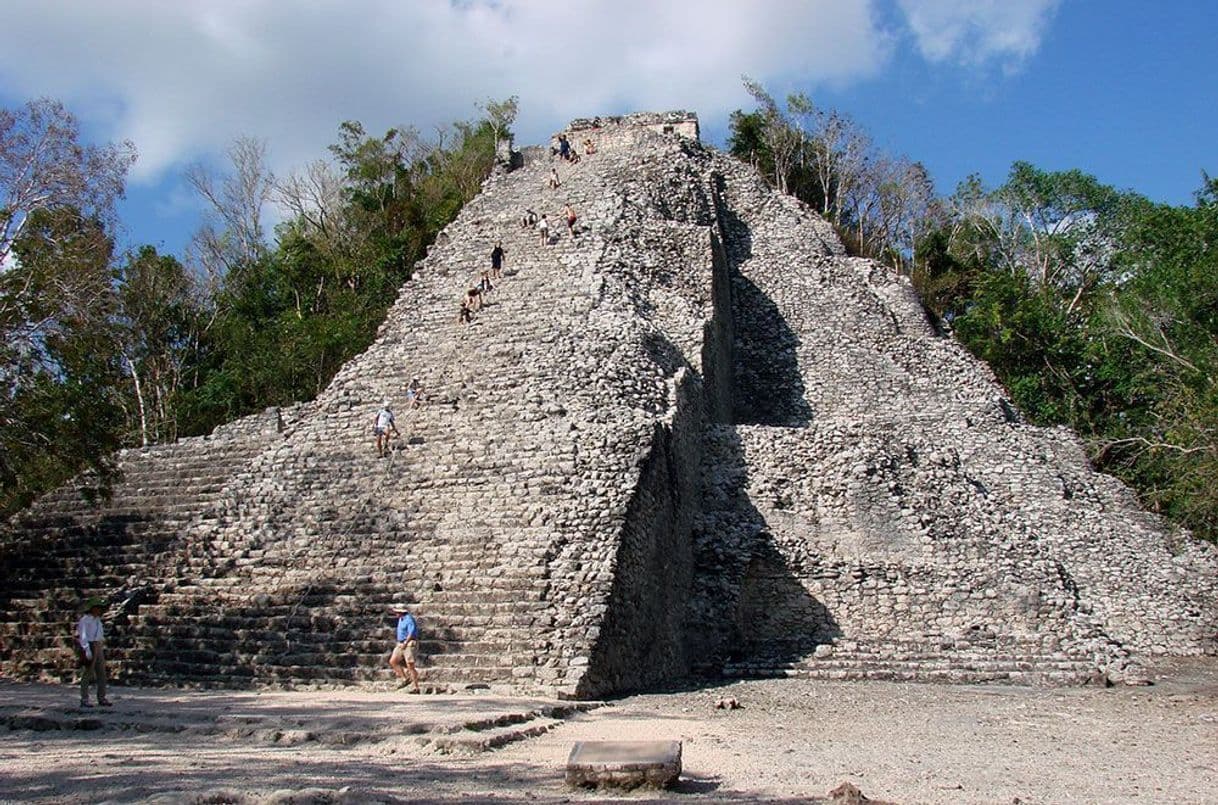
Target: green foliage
point(1029, 342)
point(161, 319)
point(945, 280)
point(1098, 310)
point(59, 412)
point(1166, 315)
point(746, 140)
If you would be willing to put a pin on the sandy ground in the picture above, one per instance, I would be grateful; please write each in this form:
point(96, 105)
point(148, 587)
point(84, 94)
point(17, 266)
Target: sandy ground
point(790, 739)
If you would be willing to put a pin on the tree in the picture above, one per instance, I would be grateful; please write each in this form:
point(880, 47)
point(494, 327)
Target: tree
point(1069, 226)
point(839, 156)
point(160, 325)
point(59, 412)
point(898, 206)
point(782, 140)
point(314, 198)
point(232, 235)
point(44, 167)
point(1062, 230)
point(1162, 324)
point(746, 140)
point(501, 115)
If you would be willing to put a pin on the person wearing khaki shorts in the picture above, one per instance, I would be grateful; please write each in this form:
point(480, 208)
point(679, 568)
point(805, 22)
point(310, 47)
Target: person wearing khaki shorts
point(402, 660)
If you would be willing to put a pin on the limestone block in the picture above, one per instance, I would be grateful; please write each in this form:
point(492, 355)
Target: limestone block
point(624, 764)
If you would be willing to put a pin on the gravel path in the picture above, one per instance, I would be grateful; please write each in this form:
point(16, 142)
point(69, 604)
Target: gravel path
point(789, 739)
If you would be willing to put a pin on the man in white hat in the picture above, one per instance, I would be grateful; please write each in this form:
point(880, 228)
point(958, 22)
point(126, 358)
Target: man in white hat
point(90, 649)
point(403, 657)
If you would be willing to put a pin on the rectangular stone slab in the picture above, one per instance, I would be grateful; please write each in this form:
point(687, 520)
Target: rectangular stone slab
point(624, 764)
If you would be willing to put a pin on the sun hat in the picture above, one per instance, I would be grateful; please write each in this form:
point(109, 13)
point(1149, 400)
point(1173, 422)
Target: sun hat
point(400, 606)
point(94, 602)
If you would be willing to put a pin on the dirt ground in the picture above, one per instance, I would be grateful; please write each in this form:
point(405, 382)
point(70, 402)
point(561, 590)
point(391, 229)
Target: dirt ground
point(789, 739)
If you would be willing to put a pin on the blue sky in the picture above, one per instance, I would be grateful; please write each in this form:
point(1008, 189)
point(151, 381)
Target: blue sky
point(1122, 89)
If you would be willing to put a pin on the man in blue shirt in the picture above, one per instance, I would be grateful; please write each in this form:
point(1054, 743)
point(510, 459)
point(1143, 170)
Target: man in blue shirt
point(403, 656)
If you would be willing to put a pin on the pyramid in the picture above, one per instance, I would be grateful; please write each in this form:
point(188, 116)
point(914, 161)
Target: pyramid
point(693, 436)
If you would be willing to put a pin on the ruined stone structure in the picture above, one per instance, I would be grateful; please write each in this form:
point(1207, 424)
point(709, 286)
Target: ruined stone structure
point(695, 437)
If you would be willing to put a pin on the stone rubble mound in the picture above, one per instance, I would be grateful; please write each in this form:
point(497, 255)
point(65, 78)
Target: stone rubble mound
point(695, 436)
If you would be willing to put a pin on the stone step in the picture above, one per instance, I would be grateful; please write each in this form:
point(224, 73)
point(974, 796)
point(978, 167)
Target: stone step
point(921, 665)
point(915, 673)
point(48, 570)
point(473, 741)
point(179, 672)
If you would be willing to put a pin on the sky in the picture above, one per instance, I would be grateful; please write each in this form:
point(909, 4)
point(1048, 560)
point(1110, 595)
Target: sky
point(1124, 89)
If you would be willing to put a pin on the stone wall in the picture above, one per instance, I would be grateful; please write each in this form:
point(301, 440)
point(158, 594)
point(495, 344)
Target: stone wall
point(641, 643)
point(623, 131)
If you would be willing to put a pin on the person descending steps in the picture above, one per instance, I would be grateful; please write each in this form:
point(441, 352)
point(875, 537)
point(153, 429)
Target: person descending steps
point(384, 428)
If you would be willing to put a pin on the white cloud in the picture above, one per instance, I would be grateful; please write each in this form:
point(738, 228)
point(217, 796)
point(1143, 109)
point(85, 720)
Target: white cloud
point(182, 79)
point(974, 32)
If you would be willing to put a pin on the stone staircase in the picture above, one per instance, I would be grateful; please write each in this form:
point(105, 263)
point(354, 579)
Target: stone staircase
point(72, 548)
point(478, 597)
point(984, 660)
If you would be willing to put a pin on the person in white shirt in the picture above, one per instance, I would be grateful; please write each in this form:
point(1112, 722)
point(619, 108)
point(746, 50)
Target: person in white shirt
point(384, 428)
point(90, 647)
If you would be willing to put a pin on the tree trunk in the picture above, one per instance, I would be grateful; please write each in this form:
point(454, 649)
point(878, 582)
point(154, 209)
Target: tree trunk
point(139, 399)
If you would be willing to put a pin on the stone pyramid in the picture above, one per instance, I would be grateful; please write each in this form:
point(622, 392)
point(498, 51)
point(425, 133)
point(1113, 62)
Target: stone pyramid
point(692, 437)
